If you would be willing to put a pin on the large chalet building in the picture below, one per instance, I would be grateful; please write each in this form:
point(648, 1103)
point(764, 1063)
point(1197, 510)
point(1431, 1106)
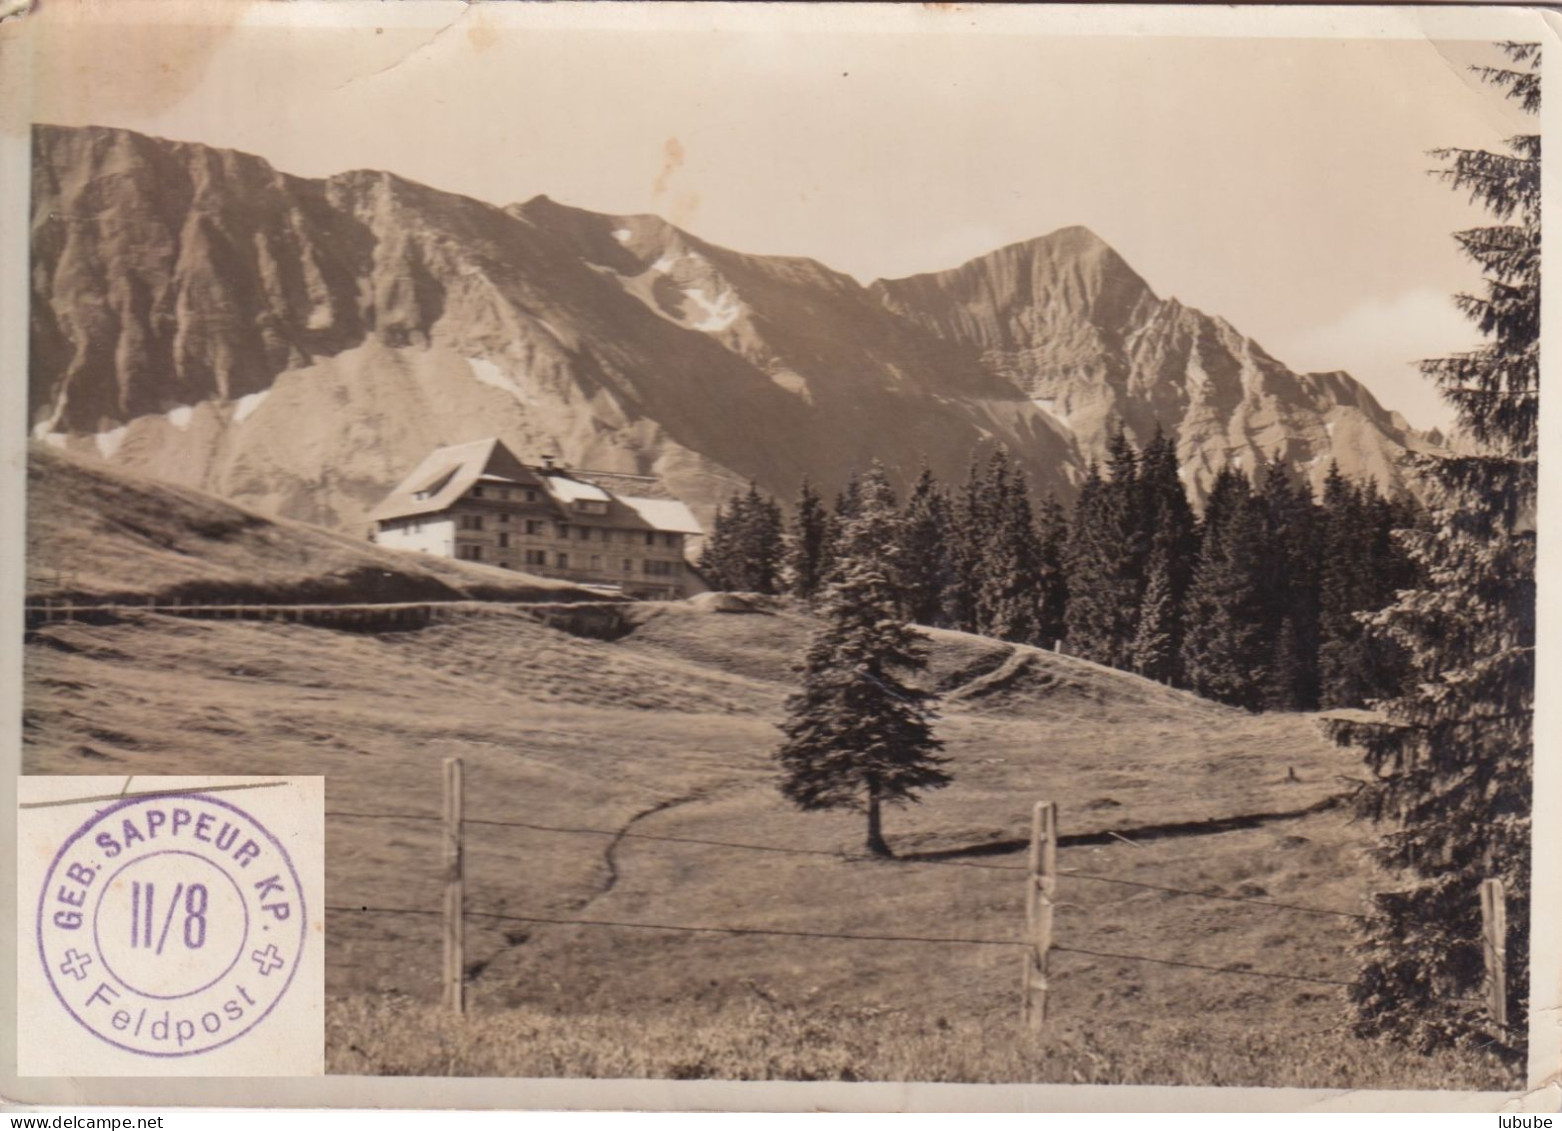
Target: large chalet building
point(477, 502)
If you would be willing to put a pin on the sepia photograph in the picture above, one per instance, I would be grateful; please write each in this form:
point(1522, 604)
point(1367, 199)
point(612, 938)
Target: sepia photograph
point(817, 543)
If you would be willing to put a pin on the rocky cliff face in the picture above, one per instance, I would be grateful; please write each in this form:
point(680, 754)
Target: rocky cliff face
point(297, 345)
point(1067, 321)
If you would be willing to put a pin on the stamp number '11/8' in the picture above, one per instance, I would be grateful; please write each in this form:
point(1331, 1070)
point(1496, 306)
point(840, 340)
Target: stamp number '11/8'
point(171, 925)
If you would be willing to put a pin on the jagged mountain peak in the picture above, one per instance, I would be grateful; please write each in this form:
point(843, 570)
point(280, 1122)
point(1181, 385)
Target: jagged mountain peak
point(1075, 245)
point(297, 344)
point(1067, 286)
point(1074, 251)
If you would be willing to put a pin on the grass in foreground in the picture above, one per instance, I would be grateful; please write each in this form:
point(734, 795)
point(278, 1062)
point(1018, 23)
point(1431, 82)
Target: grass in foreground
point(666, 734)
point(760, 1040)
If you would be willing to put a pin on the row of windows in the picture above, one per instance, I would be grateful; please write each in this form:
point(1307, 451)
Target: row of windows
point(562, 530)
point(528, 494)
point(561, 560)
point(533, 495)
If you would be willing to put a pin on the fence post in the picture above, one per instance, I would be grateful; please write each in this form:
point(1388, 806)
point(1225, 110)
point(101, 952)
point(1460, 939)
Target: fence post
point(455, 959)
point(1040, 884)
point(1494, 949)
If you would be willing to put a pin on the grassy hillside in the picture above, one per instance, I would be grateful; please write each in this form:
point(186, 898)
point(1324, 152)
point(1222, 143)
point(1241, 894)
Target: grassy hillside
point(104, 534)
point(630, 782)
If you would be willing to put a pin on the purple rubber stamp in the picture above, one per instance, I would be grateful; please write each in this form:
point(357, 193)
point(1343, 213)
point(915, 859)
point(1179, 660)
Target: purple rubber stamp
point(171, 925)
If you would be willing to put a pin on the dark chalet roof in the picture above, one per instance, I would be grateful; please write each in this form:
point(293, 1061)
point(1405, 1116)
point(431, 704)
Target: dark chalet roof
point(447, 474)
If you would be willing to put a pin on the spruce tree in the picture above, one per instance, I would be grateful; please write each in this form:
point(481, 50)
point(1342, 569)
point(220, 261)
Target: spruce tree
point(1086, 620)
point(1128, 487)
point(1009, 597)
point(847, 498)
point(1226, 648)
point(1166, 511)
point(760, 541)
point(716, 556)
point(1286, 662)
point(1228, 490)
point(1170, 526)
point(858, 736)
point(745, 549)
point(1450, 757)
point(1106, 561)
point(845, 506)
point(1344, 674)
point(1156, 641)
point(924, 557)
point(967, 551)
point(1362, 567)
point(1293, 590)
point(807, 543)
point(1052, 530)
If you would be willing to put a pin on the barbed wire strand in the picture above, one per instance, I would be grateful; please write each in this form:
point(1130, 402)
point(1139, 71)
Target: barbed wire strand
point(776, 931)
point(1072, 873)
point(1017, 868)
point(782, 933)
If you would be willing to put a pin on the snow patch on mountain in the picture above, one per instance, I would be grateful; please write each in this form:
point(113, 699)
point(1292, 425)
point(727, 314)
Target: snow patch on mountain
point(42, 429)
point(794, 383)
point(720, 312)
point(1049, 405)
point(665, 263)
point(712, 366)
point(490, 374)
point(247, 405)
point(108, 442)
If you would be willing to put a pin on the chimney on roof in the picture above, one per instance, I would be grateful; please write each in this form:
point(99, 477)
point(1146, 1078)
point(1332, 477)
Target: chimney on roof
point(547, 463)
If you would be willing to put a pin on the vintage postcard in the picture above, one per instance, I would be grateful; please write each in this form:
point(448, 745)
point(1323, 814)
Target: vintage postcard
point(801, 555)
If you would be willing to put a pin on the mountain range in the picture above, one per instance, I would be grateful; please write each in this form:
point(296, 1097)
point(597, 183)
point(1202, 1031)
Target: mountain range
point(297, 345)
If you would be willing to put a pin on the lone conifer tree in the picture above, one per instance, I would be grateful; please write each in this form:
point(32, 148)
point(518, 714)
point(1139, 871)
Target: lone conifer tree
point(857, 736)
point(1450, 761)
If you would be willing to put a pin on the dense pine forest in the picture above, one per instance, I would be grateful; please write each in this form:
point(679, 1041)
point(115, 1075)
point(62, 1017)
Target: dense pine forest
point(1255, 603)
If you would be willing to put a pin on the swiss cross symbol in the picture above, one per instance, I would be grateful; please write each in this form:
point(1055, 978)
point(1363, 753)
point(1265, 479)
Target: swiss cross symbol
point(268, 960)
point(76, 964)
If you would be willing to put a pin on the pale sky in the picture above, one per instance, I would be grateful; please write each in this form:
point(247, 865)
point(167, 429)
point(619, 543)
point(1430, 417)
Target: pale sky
point(1278, 183)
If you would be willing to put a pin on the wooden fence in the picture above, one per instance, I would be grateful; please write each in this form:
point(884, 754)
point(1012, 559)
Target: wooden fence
point(604, 619)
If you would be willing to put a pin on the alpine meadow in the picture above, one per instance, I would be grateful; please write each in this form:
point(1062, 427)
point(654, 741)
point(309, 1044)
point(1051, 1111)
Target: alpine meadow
point(930, 645)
